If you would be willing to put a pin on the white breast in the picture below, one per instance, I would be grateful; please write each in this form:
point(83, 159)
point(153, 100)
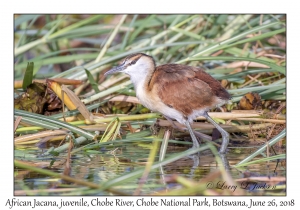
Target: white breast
point(155, 104)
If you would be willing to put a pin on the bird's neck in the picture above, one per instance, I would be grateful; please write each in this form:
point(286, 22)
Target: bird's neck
point(141, 79)
point(143, 90)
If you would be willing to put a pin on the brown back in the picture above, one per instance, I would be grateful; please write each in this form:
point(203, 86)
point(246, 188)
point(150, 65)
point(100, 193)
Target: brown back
point(186, 88)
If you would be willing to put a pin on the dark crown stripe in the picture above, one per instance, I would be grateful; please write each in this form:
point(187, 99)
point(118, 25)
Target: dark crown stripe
point(135, 57)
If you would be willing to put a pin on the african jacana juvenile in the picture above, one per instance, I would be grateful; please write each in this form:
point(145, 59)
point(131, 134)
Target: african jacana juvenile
point(177, 91)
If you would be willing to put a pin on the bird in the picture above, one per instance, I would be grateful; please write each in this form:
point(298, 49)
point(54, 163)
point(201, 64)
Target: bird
point(177, 91)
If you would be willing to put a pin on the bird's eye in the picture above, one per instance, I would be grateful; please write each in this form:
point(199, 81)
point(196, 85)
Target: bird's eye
point(132, 62)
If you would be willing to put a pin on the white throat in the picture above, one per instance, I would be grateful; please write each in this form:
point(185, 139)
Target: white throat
point(139, 73)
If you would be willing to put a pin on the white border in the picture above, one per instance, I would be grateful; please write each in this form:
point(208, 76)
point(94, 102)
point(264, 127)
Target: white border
point(153, 6)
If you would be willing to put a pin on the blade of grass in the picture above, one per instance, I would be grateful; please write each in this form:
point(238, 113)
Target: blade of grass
point(125, 40)
point(225, 58)
point(48, 38)
point(72, 128)
point(147, 170)
point(263, 148)
point(41, 123)
point(24, 18)
point(23, 36)
point(92, 81)
point(112, 128)
point(27, 80)
point(164, 144)
point(224, 43)
point(275, 157)
point(60, 59)
point(106, 92)
point(110, 39)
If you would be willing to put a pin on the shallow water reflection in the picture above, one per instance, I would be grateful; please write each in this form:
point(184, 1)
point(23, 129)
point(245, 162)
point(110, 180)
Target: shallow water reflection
point(102, 165)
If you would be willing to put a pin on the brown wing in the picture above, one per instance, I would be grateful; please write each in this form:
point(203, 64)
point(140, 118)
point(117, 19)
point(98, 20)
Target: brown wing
point(187, 88)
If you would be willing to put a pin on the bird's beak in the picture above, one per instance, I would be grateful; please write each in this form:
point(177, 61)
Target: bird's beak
point(115, 70)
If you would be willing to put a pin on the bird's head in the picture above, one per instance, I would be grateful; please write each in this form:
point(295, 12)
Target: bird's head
point(135, 64)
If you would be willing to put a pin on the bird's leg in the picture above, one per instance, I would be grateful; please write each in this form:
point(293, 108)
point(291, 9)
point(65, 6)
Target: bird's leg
point(225, 161)
point(197, 134)
point(196, 162)
point(195, 141)
point(191, 131)
point(225, 135)
point(172, 123)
